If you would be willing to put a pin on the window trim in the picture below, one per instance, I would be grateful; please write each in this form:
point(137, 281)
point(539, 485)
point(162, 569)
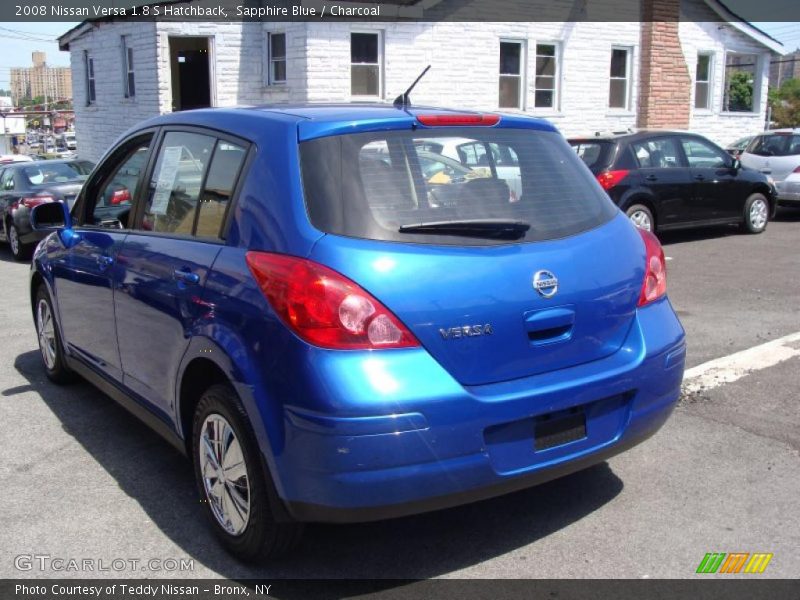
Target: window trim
point(628, 79)
point(709, 82)
point(523, 67)
point(127, 69)
point(271, 79)
point(380, 63)
point(556, 77)
point(757, 80)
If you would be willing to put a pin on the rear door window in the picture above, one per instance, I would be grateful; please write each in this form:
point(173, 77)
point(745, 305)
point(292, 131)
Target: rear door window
point(657, 153)
point(373, 185)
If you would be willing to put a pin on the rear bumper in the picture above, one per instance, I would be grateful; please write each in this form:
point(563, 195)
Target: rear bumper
point(431, 443)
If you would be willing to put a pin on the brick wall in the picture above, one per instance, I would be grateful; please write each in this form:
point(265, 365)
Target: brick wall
point(665, 89)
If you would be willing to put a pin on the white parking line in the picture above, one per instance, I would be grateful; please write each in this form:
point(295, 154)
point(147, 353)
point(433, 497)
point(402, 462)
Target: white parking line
point(735, 366)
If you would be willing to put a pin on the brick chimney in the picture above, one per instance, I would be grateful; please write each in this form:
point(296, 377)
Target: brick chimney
point(665, 91)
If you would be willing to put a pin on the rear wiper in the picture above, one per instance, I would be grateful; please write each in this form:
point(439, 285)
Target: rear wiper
point(488, 228)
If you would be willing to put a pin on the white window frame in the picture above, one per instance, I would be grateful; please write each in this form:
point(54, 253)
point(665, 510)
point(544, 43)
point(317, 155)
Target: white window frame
point(523, 62)
point(271, 60)
point(709, 82)
point(128, 69)
point(556, 77)
point(91, 82)
point(757, 76)
point(380, 63)
point(628, 78)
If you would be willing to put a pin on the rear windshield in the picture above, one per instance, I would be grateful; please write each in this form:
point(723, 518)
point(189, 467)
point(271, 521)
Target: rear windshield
point(372, 185)
point(46, 172)
point(778, 144)
point(595, 154)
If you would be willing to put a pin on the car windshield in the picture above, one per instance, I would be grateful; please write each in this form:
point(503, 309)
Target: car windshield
point(43, 173)
point(777, 144)
point(445, 185)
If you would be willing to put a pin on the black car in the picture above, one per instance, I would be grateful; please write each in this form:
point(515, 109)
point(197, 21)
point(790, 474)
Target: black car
point(670, 180)
point(24, 185)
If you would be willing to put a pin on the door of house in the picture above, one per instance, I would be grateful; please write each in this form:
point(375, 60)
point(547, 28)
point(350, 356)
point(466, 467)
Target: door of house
point(190, 66)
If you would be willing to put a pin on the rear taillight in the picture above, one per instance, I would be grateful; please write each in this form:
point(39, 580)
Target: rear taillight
point(446, 120)
point(797, 170)
point(654, 285)
point(121, 197)
point(325, 308)
point(608, 179)
point(35, 201)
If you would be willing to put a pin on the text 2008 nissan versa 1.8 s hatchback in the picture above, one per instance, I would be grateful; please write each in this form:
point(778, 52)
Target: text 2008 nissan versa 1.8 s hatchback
point(332, 333)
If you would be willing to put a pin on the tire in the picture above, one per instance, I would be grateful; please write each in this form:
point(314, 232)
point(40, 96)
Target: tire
point(756, 214)
point(19, 250)
point(50, 347)
point(642, 217)
point(243, 511)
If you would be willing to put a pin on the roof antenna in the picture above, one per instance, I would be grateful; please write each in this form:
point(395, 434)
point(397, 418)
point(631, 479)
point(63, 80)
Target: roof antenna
point(403, 101)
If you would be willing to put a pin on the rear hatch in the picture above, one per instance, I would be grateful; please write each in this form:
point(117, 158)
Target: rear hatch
point(494, 287)
point(597, 154)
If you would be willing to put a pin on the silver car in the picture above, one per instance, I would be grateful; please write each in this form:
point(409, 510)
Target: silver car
point(777, 155)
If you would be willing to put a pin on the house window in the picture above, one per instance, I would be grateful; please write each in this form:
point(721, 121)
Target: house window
point(127, 66)
point(365, 64)
point(277, 58)
point(740, 83)
point(619, 78)
point(702, 82)
point(510, 88)
point(88, 63)
point(546, 88)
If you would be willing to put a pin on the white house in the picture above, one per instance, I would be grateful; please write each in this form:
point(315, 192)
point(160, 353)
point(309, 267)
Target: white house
point(673, 66)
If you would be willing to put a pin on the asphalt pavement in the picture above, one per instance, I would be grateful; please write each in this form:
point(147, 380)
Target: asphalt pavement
point(82, 479)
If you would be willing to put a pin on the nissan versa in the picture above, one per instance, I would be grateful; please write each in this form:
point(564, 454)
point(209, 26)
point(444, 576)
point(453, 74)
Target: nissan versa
point(334, 331)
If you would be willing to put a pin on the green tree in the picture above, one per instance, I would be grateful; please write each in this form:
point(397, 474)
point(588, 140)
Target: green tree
point(740, 91)
point(785, 103)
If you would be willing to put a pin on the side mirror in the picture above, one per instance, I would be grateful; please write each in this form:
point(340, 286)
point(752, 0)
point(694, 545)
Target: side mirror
point(54, 216)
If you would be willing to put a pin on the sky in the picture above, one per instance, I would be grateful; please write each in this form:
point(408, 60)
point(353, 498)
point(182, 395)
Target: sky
point(19, 40)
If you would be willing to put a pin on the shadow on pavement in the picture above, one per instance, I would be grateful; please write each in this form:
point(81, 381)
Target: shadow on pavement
point(152, 472)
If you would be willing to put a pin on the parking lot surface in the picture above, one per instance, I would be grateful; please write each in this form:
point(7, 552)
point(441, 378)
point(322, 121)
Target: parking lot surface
point(83, 479)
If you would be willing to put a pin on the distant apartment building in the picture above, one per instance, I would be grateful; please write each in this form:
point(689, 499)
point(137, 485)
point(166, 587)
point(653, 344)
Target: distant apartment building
point(40, 80)
point(787, 68)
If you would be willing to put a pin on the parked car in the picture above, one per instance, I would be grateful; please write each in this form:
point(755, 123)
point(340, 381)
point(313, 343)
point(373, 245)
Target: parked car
point(736, 148)
point(777, 154)
point(6, 159)
point(669, 180)
point(324, 344)
point(24, 185)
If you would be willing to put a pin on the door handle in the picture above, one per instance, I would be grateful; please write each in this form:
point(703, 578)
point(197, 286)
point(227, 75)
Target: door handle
point(186, 276)
point(651, 178)
point(700, 177)
point(766, 171)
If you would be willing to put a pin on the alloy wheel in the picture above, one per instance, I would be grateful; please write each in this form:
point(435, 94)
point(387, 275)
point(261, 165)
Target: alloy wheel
point(642, 220)
point(47, 333)
point(224, 474)
point(13, 240)
point(758, 213)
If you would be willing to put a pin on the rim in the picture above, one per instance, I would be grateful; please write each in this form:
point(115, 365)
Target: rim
point(13, 240)
point(758, 214)
point(642, 220)
point(47, 333)
point(224, 474)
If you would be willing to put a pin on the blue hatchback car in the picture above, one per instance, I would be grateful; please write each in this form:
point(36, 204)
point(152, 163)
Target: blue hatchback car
point(335, 325)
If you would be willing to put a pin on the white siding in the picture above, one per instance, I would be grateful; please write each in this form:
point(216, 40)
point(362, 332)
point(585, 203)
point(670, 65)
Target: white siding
point(99, 125)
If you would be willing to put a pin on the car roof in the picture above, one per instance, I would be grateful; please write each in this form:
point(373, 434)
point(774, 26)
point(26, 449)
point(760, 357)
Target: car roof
point(317, 120)
point(629, 135)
